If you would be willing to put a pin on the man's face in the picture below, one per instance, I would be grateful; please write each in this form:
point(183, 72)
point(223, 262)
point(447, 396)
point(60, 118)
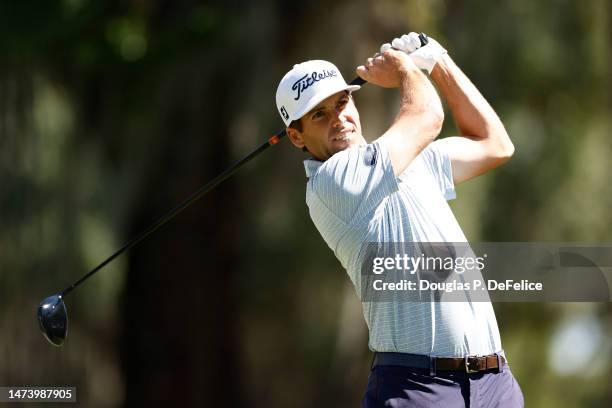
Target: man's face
point(331, 126)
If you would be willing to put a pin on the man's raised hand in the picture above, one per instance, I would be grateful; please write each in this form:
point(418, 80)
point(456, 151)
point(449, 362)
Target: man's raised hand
point(424, 56)
point(386, 69)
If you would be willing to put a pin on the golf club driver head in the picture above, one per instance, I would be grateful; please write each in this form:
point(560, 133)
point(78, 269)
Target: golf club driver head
point(53, 319)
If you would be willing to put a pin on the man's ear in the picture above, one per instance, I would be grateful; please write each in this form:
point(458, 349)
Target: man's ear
point(296, 137)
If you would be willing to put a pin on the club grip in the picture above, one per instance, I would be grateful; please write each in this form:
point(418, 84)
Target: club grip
point(360, 81)
point(424, 39)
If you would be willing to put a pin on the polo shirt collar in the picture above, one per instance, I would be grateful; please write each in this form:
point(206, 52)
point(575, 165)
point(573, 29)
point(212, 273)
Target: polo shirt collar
point(311, 165)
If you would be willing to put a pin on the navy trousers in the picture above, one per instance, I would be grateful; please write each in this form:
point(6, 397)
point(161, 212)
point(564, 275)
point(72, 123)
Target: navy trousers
point(404, 387)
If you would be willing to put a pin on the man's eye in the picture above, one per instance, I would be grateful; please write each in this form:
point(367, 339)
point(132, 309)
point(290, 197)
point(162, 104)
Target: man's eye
point(317, 114)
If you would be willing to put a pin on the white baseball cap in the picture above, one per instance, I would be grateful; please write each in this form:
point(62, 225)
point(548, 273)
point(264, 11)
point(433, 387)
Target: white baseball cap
point(307, 84)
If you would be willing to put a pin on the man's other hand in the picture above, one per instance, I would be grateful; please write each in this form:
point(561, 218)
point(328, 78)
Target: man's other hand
point(386, 69)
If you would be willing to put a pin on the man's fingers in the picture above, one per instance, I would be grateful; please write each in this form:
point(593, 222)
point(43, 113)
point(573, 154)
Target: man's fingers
point(407, 43)
point(374, 60)
point(378, 59)
point(423, 56)
point(385, 47)
point(392, 53)
point(412, 41)
point(398, 44)
point(362, 72)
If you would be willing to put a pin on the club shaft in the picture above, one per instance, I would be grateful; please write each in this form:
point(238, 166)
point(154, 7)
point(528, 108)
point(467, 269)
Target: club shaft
point(180, 207)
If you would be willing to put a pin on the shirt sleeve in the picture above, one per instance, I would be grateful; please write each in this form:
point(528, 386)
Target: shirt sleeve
point(438, 164)
point(354, 181)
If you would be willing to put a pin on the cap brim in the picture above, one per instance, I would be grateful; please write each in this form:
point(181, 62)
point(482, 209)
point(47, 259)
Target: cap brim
point(319, 98)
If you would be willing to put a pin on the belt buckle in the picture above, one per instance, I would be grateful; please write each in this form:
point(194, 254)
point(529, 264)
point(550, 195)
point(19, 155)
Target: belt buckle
point(467, 366)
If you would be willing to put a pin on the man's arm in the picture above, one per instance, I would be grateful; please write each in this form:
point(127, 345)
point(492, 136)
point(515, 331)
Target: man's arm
point(420, 117)
point(484, 144)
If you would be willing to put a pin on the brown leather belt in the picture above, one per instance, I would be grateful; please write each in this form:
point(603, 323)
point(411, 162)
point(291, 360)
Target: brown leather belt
point(468, 364)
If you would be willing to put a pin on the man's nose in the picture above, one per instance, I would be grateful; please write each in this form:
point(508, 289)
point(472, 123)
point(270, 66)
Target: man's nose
point(338, 116)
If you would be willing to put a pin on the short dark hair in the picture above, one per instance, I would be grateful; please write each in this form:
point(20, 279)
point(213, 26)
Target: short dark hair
point(297, 125)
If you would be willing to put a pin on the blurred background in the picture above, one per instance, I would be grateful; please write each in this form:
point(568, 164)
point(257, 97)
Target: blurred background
point(112, 112)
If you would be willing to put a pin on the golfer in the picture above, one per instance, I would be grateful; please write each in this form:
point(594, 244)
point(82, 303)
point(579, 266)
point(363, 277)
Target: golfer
point(395, 189)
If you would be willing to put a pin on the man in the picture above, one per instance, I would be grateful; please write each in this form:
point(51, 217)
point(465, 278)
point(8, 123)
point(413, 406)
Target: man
point(395, 189)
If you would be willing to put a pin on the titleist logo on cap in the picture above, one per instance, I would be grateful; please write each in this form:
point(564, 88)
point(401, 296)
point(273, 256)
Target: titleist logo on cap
point(309, 79)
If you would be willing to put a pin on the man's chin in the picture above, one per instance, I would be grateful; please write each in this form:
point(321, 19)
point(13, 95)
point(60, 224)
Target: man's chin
point(340, 146)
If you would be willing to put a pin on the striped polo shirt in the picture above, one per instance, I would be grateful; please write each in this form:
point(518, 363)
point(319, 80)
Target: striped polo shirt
point(355, 198)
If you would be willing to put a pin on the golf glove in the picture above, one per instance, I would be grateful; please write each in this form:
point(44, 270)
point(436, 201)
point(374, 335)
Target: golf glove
point(425, 57)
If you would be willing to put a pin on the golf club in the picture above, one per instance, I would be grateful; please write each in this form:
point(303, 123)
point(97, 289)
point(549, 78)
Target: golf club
point(52, 313)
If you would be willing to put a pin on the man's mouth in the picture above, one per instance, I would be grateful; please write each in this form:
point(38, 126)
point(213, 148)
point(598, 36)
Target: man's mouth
point(343, 136)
